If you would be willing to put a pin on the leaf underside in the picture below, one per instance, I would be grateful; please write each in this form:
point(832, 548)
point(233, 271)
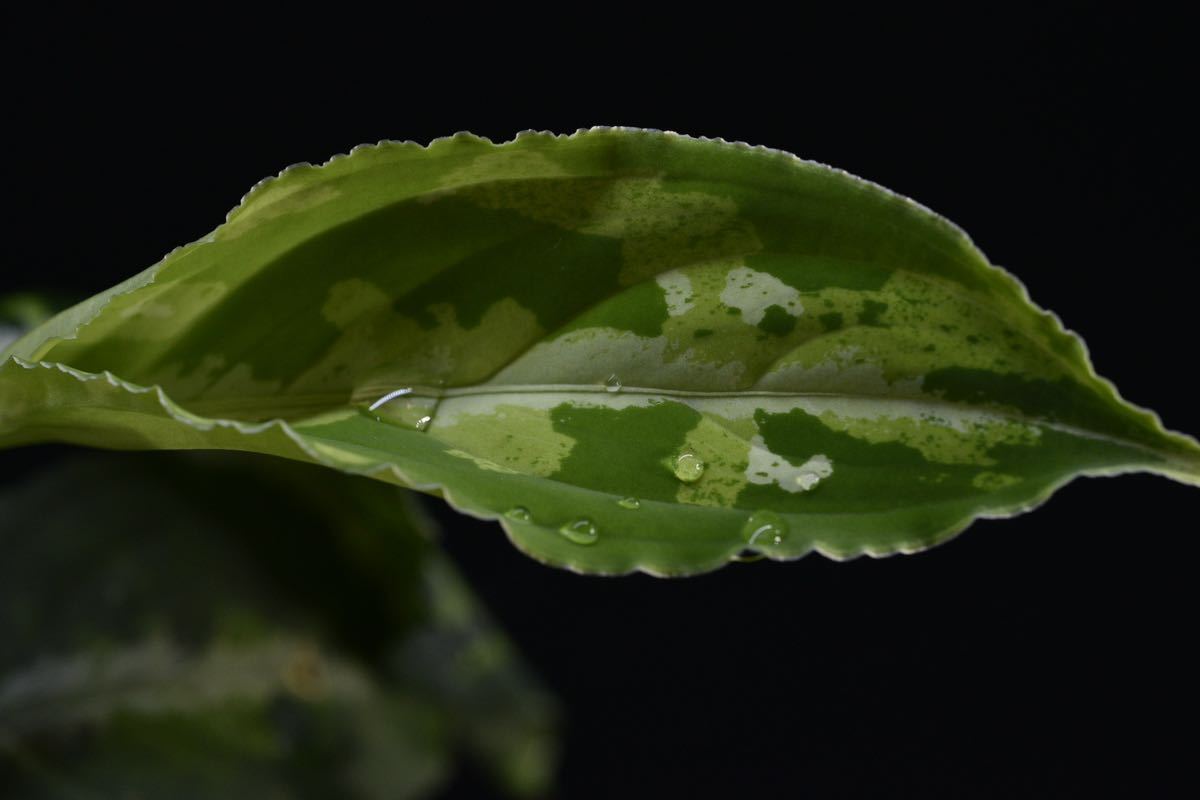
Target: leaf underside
point(637, 350)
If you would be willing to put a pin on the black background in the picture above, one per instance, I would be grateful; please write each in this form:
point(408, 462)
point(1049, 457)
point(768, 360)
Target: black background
point(1046, 656)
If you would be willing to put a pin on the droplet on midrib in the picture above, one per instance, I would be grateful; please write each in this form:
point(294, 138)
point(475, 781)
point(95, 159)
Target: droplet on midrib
point(689, 467)
point(387, 398)
point(613, 384)
point(580, 531)
point(631, 503)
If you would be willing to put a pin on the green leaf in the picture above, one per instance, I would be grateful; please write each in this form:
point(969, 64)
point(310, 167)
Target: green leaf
point(635, 349)
point(217, 627)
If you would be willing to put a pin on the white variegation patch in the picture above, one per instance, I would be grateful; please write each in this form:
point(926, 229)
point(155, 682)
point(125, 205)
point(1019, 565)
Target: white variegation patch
point(765, 468)
point(753, 292)
point(677, 290)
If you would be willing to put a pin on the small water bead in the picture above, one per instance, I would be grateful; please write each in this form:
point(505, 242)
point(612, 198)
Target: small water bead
point(747, 557)
point(406, 407)
point(580, 531)
point(631, 503)
point(387, 398)
point(807, 480)
point(689, 467)
point(519, 514)
point(764, 529)
point(613, 384)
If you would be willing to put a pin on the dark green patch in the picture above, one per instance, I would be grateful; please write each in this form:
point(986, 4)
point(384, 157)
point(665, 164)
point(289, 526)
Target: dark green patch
point(832, 321)
point(1060, 400)
point(811, 273)
point(733, 311)
point(871, 312)
point(640, 309)
point(702, 333)
point(777, 320)
point(866, 477)
point(476, 256)
point(622, 451)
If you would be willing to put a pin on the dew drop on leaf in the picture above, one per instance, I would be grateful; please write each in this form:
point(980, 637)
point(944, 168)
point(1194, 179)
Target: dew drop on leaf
point(613, 384)
point(764, 529)
point(390, 396)
point(423, 423)
point(631, 503)
point(689, 467)
point(519, 514)
point(580, 531)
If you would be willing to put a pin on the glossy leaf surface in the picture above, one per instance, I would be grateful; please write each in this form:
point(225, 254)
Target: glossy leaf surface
point(635, 349)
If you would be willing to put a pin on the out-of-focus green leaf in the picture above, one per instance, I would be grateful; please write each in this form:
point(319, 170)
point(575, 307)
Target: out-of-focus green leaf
point(21, 312)
point(199, 626)
point(635, 349)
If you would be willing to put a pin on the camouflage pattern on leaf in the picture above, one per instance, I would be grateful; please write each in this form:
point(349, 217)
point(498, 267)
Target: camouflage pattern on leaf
point(637, 350)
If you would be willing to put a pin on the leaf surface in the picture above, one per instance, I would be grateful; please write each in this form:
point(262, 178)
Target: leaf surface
point(219, 627)
point(635, 349)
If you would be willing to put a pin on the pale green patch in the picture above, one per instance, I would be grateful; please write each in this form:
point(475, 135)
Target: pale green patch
point(482, 463)
point(591, 355)
point(752, 293)
point(386, 350)
point(677, 291)
point(658, 229)
point(724, 453)
point(843, 371)
point(162, 311)
point(942, 438)
point(341, 455)
point(517, 438)
point(503, 165)
point(352, 299)
point(765, 468)
point(994, 481)
point(326, 418)
point(912, 326)
point(729, 339)
point(216, 386)
point(276, 200)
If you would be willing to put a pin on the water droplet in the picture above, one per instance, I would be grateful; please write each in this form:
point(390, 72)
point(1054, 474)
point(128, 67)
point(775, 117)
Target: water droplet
point(613, 384)
point(387, 398)
point(519, 514)
point(747, 557)
point(407, 407)
point(764, 529)
point(689, 467)
point(580, 531)
point(631, 503)
point(807, 480)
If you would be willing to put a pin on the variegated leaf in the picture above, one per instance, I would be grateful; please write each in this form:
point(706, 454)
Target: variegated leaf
point(635, 349)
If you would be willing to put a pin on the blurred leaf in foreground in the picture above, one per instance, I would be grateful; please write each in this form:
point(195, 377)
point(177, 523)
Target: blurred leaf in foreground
point(207, 626)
